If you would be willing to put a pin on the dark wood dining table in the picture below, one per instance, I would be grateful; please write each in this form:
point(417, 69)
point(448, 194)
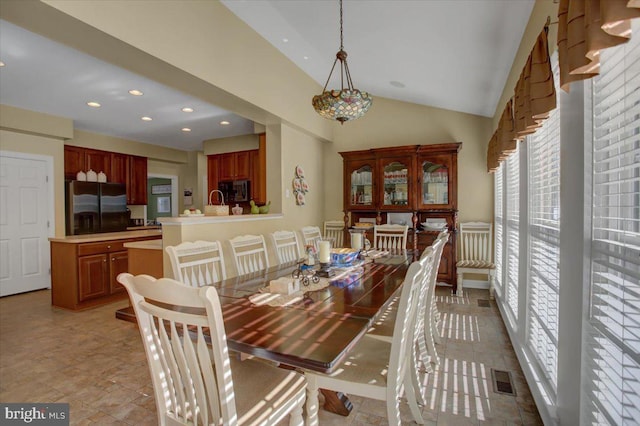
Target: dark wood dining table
point(317, 332)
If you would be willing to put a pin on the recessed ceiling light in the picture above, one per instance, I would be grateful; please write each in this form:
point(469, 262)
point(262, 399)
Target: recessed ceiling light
point(186, 129)
point(136, 92)
point(93, 104)
point(397, 84)
point(1, 64)
point(187, 109)
point(224, 123)
point(285, 40)
point(305, 57)
point(145, 118)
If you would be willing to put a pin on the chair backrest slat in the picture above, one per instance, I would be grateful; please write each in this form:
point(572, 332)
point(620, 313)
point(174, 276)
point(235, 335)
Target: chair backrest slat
point(311, 236)
point(390, 237)
point(197, 263)
point(287, 247)
point(475, 241)
point(250, 253)
point(335, 229)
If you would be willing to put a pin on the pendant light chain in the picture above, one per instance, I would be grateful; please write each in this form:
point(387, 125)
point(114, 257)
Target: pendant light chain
point(341, 42)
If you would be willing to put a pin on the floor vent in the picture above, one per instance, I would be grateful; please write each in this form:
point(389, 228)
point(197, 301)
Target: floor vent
point(502, 382)
point(483, 303)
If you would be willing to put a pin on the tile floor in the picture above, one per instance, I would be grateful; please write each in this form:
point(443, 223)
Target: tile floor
point(97, 364)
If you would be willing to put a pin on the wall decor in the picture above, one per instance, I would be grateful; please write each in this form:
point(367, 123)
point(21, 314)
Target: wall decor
point(300, 186)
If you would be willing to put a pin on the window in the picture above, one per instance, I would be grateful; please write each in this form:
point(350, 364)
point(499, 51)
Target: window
point(498, 227)
point(544, 243)
point(512, 232)
point(613, 329)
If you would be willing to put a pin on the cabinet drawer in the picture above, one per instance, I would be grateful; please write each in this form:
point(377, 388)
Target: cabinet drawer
point(104, 247)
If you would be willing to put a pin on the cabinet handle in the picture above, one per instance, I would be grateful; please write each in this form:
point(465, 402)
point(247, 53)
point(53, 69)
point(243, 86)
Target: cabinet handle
point(113, 259)
point(108, 247)
point(104, 260)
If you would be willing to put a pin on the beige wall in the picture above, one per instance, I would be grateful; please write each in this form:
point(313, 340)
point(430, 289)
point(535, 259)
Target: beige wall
point(236, 143)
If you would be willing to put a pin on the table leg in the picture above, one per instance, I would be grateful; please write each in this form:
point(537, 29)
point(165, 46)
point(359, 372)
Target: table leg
point(336, 402)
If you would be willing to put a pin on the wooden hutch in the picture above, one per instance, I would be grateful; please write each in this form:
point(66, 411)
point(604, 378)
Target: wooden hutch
point(418, 179)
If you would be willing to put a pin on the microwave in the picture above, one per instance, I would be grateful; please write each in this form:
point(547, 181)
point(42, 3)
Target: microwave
point(236, 191)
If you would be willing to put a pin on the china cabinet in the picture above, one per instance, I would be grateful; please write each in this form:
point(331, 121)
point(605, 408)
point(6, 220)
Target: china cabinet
point(418, 179)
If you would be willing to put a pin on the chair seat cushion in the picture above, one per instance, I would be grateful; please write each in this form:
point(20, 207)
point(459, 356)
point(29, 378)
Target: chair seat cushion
point(478, 264)
point(262, 391)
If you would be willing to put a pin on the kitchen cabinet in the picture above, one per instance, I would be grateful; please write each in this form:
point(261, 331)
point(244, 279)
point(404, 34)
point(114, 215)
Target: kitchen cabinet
point(250, 165)
point(98, 161)
point(74, 161)
point(137, 182)
point(258, 167)
point(120, 168)
point(84, 274)
point(234, 166)
point(417, 179)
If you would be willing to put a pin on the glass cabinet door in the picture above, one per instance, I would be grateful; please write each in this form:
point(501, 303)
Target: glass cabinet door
point(435, 182)
point(395, 184)
point(362, 187)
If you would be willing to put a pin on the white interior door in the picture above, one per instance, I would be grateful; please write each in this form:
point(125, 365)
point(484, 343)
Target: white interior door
point(24, 247)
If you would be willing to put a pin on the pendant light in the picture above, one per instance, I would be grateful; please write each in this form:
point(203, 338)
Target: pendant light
point(347, 103)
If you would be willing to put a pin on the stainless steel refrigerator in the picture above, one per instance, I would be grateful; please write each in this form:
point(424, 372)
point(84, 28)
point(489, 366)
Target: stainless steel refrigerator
point(94, 207)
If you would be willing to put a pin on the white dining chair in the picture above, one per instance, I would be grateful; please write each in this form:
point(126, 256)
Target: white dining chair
point(249, 253)
point(390, 237)
point(311, 236)
point(334, 229)
point(194, 379)
point(475, 253)
point(287, 247)
point(377, 369)
point(197, 263)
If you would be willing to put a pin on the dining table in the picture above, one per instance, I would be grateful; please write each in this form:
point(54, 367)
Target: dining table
point(316, 330)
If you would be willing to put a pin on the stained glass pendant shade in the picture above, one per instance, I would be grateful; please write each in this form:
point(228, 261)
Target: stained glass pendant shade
point(347, 103)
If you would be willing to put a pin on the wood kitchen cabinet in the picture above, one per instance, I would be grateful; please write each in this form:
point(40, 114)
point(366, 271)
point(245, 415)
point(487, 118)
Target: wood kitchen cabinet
point(234, 166)
point(250, 164)
point(137, 182)
point(418, 179)
point(84, 274)
point(74, 161)
point(119, 168)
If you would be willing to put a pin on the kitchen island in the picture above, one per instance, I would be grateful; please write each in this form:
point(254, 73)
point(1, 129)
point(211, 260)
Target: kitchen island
point(84, 267)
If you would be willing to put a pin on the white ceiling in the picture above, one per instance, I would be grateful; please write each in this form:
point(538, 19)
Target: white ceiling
point(452, 54)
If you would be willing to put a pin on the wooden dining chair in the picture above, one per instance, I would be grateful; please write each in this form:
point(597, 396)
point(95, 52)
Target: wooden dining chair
point(197, 263)
point(475, 253)
point(311, 236)
point(390, 237)
point(194, 379)
point(377, 369)
point(335, 229)
point(287, 247)
point(249, 253)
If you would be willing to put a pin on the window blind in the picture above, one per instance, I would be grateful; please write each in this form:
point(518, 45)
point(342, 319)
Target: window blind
point(498, 231)
point(544, 243)
point(512, 231)
point(613, 330)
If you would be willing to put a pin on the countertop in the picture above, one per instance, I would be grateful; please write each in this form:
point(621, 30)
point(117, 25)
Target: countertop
point(107, 236)
point(194, 220)
point(145, 245)
point(143, 227)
